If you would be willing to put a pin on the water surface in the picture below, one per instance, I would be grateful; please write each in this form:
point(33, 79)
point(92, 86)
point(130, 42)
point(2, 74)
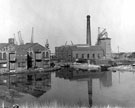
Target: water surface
point(69, 87)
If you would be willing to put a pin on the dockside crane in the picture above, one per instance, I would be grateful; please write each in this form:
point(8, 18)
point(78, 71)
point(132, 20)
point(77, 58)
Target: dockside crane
point(20, 38)
point(32, 33)
point(101, 35)
point(47, 44)
point(15, 40)
point(65, 43)
point(72, 43)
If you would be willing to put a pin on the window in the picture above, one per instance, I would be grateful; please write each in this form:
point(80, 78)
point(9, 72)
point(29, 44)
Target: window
point(82, 55)
point(21, 64)
point(31, 54)
point(88, 56)
point(4, 56)
point(76, 55)
point(98, 55)
point(43, 55)
point(93, 56)
point(47, 54)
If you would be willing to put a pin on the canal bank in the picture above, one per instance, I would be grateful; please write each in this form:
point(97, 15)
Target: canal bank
point(30, 71)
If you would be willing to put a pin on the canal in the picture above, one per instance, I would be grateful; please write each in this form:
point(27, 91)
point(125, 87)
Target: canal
point(69, 87)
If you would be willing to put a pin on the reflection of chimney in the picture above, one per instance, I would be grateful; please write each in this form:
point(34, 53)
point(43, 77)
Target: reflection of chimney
point(90, 92)
point(88, 39)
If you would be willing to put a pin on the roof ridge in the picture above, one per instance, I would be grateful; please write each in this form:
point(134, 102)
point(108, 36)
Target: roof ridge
point(33, 44)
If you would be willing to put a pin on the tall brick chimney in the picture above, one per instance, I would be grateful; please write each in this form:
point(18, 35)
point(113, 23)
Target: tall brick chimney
point(88, 38)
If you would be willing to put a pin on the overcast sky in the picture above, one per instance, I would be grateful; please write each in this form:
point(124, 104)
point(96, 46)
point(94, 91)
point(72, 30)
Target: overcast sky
point(65, 20)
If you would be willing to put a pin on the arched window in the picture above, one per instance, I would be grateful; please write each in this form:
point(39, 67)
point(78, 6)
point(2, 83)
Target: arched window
point(43, 55)
point(98, 55)
point(4, 56)
point(76, 55)
point(31, 54)
point(88, 56)
point(93, 56)
point(47, 54)
point(82, 55)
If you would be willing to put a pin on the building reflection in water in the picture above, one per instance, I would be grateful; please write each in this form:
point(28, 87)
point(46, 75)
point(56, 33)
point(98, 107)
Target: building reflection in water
point(104, 77)
point(35, 84)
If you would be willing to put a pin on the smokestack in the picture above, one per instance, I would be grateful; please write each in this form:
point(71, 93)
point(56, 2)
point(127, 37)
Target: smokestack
point(88, 39)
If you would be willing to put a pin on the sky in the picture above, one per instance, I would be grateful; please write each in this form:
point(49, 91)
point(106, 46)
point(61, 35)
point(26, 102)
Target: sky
point(65, 20)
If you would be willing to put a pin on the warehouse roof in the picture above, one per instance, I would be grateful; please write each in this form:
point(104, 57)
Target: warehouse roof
point(3, 45)
point(81, 47)
point(35, 47)
point(89, 48)
point(25, 46)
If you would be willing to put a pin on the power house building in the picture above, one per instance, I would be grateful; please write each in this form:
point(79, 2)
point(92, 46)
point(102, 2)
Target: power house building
point(102, 49)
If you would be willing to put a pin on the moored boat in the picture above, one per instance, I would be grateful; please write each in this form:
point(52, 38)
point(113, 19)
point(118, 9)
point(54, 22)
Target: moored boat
point(86, 66)
point(105, 67)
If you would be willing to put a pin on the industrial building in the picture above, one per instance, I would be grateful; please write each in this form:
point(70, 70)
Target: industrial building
point(102, 49)
point(5, 49)
point(24, 56)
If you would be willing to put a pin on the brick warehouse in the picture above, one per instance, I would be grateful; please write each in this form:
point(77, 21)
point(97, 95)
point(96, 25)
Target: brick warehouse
point(26, 56)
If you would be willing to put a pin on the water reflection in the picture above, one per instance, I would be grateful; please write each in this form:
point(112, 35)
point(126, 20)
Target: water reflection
point(55, 86)
point(9, 95)
point(35, 84)
point(73, 74)
point(105, 78)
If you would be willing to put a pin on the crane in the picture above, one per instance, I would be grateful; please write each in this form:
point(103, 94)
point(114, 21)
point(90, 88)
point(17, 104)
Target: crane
point(20, 38)
point(72, 43)
point(32, 33)
point(102, 35)
point(15, 40)
point(65, 43)
point(47, 44)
